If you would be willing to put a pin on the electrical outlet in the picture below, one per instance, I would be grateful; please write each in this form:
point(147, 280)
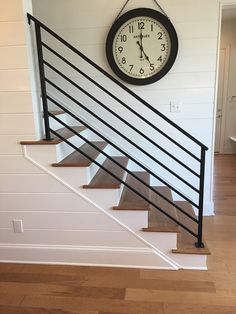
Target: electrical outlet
point(175, 107)
point(17, 225)
point(233, 99)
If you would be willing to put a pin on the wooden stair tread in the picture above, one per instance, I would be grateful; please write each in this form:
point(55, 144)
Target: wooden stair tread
point(103, 180)
point(55, 112)
point(63, 132)
point(76, 159)
point(129, 199)
point(185, 241)
point(158, 222)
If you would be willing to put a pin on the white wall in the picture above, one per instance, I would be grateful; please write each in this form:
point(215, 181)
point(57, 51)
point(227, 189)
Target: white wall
point(228, 41)
point(54, 218)
point(190, 82)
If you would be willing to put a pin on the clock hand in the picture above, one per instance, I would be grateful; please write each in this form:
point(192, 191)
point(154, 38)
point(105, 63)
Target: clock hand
point(141, 48)
point(141, 43)
point(142, 51)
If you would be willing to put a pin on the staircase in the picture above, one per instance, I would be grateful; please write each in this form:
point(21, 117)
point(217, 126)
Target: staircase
point(93, 165)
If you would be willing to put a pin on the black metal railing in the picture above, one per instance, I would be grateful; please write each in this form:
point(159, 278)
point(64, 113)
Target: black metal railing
point(45, 81)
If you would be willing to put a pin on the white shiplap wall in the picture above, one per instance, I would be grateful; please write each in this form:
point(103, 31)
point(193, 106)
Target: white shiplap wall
point(54, 218)
point(190, 82)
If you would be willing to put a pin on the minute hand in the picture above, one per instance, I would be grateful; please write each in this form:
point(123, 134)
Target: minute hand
point(142, 50)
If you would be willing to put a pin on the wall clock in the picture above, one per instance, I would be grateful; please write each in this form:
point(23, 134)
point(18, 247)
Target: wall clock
point(141, 46)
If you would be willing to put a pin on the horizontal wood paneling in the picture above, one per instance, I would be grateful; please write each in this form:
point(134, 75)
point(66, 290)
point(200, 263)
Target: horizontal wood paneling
point(10, 164)
point(14, 124)
point(12, 34)
point(11, 10)
point(13, 58)
point(10, 144)
point(60, 221)
point(69, 237)
point(23, 183)
point(56, 202)
point(16, 102)
point(14, 80)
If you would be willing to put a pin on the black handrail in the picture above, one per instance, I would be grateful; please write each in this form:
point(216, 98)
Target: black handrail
point(48, 130)
point(108, 125)
point(113, 129)
point(68, 45)
point(124, 153)
point(133, 111)
point(114, 176)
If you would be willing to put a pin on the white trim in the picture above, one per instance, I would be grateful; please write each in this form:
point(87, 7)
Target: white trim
point(158, 252)
point(44, 254)
point(225, 95)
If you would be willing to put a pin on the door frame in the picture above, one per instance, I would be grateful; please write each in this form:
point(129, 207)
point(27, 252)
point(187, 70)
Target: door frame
point(225, 93)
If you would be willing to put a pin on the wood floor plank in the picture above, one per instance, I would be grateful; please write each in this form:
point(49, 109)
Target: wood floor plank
point(103, 180)
point(129, 199)
point(31, 310)
point(76, 159)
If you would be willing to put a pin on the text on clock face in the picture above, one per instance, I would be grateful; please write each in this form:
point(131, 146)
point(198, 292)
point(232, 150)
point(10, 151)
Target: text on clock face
point(141, 47)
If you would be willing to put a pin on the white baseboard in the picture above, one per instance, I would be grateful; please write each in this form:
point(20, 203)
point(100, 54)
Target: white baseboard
point(83, 256)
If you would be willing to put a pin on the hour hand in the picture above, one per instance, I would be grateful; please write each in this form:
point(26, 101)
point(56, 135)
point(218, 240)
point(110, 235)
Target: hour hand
point(141, 48)
point(143, 52)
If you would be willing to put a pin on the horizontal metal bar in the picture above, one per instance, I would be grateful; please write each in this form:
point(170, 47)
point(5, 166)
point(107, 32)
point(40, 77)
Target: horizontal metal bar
point(116, 131)
point(127, 155)
point(138, 163)
point(118, 179)
point(116, 81)
point(134, 112)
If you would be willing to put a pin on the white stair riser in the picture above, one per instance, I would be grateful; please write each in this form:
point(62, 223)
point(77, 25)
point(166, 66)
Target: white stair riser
point(93, 169)
point(57, 125)
point(189, 261)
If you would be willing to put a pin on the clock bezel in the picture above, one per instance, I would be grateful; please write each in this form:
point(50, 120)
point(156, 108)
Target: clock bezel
point(161, 18)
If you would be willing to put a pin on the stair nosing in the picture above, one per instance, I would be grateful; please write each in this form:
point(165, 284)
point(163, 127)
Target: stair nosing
point(53, 141)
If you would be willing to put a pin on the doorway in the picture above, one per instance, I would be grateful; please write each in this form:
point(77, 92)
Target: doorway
point(226, 99)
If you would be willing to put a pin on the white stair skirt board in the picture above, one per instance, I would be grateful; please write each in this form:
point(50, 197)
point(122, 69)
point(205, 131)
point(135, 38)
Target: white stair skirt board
point(132, 221)
point(85, 256)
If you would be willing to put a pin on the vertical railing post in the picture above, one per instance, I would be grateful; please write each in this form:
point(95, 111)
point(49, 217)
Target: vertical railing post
point(42, 81)
point(199, 243)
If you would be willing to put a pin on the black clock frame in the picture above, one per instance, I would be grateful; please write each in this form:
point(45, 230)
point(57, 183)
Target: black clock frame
point(161, 18)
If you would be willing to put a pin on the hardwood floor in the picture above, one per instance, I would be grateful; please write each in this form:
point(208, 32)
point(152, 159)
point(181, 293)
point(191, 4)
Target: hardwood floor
point(38, 289)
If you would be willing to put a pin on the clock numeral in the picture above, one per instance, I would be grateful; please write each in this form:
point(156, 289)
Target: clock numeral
point(123, 60)
point(160, 36)
point(152, 68)
point(120, 49)
point(152, 28)
point(131, 29)
point(160, 59)
point(141, 25)
point(141, 71)
point(131, 67)
point(123, 38)
point(163, 47)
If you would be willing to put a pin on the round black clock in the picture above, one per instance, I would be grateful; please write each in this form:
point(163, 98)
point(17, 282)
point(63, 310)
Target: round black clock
point(141, 46)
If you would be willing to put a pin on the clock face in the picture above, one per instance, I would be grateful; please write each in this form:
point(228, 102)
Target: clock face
point(141, 46)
